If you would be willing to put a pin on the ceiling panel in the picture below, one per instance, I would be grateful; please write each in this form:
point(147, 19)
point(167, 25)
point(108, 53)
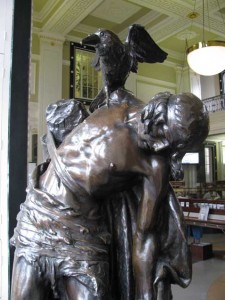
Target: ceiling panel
point(38, 5)
point(116, 11)
point(167, 21)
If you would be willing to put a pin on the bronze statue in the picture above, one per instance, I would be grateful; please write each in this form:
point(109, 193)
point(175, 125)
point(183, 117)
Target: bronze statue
point(101, 220)
point(116, 60)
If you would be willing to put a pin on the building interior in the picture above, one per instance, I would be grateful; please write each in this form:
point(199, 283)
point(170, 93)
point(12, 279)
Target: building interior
point(54, 65)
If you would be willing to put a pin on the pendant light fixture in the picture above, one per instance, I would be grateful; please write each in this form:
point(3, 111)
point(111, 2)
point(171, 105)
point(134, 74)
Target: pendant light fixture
point(207, 57)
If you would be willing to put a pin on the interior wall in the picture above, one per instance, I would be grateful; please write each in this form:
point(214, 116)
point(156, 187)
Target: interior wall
point(221, 160)
point(217, 122)
point(190, 175)
point(220, 154)
point(146, 88)
point(209, 86)
point(222, 165)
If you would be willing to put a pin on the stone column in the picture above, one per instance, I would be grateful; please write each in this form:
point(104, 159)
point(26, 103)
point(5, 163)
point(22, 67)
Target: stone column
point(195, 84)
point(50, 78)
point(182, 79)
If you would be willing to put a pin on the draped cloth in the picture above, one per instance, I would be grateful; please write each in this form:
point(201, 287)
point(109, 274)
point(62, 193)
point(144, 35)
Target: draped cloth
point(173, 265)
point(59, 241)
point(48, 228)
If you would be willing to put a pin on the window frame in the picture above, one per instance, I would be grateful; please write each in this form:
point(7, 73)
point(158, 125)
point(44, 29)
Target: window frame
point(72, 89)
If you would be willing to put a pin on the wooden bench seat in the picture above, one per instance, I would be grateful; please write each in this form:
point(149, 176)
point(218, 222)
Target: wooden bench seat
point(215, 219)
point(216, 216)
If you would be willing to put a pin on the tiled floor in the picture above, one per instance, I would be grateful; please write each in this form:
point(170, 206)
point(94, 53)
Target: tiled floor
point(204, 272)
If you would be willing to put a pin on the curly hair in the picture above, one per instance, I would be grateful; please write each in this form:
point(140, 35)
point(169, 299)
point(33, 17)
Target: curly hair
point(179, 123)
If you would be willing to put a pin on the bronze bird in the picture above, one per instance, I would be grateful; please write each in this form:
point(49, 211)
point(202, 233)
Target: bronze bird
point(116, 59)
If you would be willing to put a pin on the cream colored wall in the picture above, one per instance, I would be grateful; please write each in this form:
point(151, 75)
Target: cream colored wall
point(217, 127)
point(35, 43)
point(210, 86)
point(146, 87)
point(222, 164)
point(220, 148)
point(34, 72)
point(158, 71)
point(35, 59)
point(217, 122)
point(34, 78)
point(65, 81)
point(154, 78)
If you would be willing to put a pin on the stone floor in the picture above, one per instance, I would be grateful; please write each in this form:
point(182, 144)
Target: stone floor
point(204, 272)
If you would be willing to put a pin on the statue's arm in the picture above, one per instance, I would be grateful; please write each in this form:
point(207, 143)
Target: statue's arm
point(145, 249)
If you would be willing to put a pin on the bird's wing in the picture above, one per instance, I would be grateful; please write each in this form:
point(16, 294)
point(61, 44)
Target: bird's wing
point(142, 46)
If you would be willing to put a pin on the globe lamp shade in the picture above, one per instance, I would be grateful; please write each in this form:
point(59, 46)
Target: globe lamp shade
point(207, 58)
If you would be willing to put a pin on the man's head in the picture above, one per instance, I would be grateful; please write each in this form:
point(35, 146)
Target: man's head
point(178, 123)
point(188, 122)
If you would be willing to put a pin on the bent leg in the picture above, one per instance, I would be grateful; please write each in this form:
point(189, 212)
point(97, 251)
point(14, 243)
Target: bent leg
point(145, 241)
point(144, 257)
point(26, 282)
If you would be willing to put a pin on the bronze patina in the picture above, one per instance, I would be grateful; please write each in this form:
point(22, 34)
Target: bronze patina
point(101, 220)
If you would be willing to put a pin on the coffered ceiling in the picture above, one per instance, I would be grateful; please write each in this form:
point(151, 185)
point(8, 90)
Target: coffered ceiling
point(167, 21)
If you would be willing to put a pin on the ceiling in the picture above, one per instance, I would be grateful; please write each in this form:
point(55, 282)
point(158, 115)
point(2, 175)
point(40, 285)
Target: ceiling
point(167, 21)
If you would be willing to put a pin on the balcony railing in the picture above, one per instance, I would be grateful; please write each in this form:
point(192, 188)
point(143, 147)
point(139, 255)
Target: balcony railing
point(216, 103)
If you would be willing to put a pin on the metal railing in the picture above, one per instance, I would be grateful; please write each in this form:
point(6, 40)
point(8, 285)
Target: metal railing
point(216, 103)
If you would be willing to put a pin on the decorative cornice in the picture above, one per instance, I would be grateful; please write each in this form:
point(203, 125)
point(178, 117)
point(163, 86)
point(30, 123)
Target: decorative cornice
point(72, 38)
point(180, 68)
point(51, 37)
point(69, 15)
point(85, 28)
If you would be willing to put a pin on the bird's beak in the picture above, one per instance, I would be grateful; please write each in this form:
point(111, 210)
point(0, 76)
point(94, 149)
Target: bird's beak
point(91, 40)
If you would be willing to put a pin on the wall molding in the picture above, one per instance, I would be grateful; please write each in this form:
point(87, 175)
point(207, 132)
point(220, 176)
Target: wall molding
point(51, 37)
point(155, 81)
point(35, 57)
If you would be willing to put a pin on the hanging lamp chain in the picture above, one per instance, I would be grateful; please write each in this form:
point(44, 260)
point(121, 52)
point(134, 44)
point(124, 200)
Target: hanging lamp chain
point(223, 19)
point(203, 20)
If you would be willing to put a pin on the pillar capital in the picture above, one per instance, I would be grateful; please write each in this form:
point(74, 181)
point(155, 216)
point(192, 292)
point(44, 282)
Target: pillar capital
point(51, 38)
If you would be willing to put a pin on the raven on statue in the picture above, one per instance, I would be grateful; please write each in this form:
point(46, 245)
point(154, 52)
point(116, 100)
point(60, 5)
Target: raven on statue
point(116, 60)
